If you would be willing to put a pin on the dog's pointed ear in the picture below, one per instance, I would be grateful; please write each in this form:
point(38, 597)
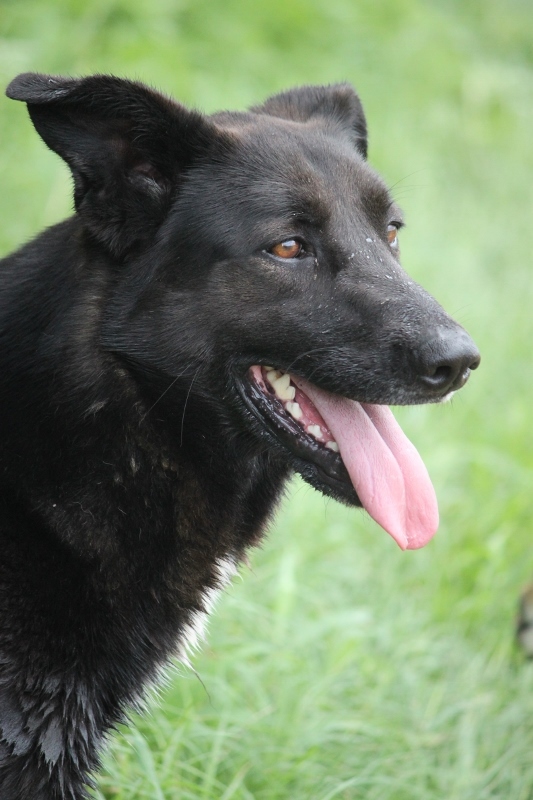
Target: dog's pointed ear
point(126, 145)
point(338, 106)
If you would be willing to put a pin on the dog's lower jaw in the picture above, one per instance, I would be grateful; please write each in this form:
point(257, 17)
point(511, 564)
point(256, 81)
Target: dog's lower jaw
point(315, 460)
point(339, 490)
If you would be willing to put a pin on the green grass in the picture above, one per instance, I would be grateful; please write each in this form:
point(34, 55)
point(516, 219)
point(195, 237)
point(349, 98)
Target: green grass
point(339, 667)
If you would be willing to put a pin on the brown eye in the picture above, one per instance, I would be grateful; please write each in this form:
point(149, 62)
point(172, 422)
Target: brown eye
point(290, 248)
point(392, 235)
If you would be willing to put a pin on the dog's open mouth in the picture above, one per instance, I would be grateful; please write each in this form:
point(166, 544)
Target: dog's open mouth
point(357, 449)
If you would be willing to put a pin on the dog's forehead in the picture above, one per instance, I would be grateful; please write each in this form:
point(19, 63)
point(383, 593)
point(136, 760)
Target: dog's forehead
point(297, 167)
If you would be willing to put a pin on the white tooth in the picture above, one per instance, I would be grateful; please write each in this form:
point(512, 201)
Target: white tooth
point(315, 431)
point(283, 381)
point(294, 410)
point(273, 375)
point(333, 446)
point(285, 394)
point(283, 388)
point(269, 369)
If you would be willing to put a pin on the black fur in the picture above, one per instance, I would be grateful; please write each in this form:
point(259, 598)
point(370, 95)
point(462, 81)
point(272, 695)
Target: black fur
point(133, 461)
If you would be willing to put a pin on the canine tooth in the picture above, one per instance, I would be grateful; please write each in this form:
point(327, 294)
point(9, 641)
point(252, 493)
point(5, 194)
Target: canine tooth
point(294, 410)
point(333, 446)
point(315, 431)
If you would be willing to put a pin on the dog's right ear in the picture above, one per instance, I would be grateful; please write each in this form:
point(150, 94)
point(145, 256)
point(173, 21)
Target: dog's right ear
point(337, 106)
point(127, 147)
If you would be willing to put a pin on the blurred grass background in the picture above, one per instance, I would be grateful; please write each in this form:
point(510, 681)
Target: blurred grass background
point(339, 667)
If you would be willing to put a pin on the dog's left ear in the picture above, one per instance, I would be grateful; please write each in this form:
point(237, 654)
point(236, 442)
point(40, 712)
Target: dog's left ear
point(127, 147)
point(337, 106)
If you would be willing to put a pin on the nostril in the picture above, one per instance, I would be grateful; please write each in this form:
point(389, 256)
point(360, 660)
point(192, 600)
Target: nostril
point(439, 377)
point(474, 364)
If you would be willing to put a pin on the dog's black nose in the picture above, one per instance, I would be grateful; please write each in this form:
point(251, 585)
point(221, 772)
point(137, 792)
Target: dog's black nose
point(446, 360)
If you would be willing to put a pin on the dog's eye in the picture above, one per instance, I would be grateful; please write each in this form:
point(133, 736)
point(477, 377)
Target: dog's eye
point(290, 248)
point(392, 235)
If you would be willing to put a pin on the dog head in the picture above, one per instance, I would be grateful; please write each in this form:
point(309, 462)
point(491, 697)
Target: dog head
point(254, 274)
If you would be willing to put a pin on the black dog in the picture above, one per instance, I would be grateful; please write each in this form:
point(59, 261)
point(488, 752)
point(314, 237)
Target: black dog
point(169, 355)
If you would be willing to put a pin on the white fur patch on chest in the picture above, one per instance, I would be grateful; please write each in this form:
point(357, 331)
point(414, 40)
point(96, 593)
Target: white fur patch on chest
point(194, 631)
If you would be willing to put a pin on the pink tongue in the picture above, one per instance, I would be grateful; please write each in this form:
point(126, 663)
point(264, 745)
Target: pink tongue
point(384, 466)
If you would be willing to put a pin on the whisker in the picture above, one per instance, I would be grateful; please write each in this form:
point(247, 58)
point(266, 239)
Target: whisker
point(307, 353)
point(171, 384)
point(185, 404)
point(161, 396)
point(415, 172)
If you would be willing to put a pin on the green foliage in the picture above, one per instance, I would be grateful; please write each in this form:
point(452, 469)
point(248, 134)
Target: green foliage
point(341, 667)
